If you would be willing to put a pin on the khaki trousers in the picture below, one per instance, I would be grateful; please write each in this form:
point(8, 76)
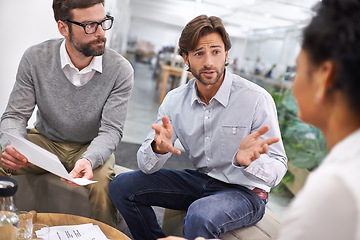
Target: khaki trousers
point(101, 206)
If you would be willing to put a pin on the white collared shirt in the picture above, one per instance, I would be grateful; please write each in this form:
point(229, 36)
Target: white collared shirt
point(328, 206)
point(76, 77)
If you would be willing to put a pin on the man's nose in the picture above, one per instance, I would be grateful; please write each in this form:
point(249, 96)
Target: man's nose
point(208, 60)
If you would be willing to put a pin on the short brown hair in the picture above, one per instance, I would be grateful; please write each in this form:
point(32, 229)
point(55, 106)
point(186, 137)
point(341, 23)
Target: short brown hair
point(62, 8)
point(198, 27)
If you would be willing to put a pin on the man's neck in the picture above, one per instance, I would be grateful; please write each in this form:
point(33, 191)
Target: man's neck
point(207, 92)
point(77, 58)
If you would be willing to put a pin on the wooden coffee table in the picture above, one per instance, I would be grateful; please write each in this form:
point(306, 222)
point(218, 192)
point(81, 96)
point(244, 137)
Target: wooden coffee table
point(59, 219)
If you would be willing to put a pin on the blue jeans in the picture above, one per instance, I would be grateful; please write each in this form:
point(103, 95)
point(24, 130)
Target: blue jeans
point(213, 207)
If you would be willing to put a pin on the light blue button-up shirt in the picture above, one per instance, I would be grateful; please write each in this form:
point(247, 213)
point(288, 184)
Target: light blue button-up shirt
point(211, 134)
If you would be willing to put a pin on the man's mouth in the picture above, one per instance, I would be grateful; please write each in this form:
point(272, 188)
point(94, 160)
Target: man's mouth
point(208, 74)
point(99, 42)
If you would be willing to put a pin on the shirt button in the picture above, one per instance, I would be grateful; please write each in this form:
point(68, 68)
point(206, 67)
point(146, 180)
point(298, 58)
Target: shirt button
point(208, 159)
point(234, 131)
point(206, 117)
point(207, 111)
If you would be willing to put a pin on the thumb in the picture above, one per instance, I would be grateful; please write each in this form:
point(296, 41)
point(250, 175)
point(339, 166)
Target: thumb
point(75, 172)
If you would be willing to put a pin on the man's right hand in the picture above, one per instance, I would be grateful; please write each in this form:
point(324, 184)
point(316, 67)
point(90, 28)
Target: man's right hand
point(12, 159)
point(162, 141)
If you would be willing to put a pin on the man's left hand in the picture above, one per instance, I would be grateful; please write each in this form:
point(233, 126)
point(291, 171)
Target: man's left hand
point(82, 169)
point(251, 147)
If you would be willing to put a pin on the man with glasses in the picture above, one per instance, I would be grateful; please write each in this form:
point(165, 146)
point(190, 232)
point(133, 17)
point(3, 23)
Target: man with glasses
point(81, 90)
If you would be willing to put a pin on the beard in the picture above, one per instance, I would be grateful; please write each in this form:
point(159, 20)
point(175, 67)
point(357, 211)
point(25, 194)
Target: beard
point(86, 48)
point(204, 80)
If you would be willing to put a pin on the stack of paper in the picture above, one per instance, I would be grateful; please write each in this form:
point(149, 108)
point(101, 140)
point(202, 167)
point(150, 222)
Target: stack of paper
point(78, 232)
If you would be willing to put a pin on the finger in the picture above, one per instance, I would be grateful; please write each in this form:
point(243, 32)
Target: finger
point(168, 147)
point(87, 173)
point(272, 140)
point(174, 150)
point(157, 128)
point(15, 155)
point(11, 162)
point(166, 123)
point(10, 165)
point(256, 155)
point(165, 120)
point(75, 172)
point(265, 149)
point(72, 184)
point(261, 131)
point(14, 163)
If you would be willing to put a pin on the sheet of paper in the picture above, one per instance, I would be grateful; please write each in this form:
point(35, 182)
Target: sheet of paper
point(42, 158)
point(78, 232)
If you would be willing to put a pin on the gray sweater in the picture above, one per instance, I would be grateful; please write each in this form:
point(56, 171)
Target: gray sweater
point(93, 113)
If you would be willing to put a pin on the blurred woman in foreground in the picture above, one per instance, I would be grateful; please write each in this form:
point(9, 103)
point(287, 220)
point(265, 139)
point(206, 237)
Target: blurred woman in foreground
point(327, 90)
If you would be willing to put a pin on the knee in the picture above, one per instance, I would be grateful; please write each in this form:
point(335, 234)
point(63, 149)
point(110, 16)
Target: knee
point(117, 186)
point(199, 215)
point(123, 186)
point(200, 219)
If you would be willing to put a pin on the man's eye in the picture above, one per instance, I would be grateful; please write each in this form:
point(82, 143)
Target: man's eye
point(198, 54)
point(91, 26)
point(216, 51)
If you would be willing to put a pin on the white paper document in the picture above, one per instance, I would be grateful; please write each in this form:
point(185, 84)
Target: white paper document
point(42, 158)
point(77, 232)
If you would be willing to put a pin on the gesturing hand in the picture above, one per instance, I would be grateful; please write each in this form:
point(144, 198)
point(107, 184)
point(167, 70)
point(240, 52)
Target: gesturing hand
point(162, 141)
point(251, 147)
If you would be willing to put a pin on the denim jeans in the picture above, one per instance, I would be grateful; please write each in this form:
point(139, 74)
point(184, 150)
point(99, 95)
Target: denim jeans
point(213, 207)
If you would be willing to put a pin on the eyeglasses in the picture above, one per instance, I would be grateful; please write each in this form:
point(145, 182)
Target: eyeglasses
point(92, 27)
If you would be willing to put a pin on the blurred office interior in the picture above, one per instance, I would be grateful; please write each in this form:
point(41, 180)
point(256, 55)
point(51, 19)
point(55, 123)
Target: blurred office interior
point(265, 36)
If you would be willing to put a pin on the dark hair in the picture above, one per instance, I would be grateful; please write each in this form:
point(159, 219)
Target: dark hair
point(334, 34)
point(198, 27)
point(62, 8)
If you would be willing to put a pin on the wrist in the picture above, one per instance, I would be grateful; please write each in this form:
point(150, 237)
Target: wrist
point(155, 148)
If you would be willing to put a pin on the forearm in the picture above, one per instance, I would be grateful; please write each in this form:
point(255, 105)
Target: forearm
point(112, 123)
point(149, 161)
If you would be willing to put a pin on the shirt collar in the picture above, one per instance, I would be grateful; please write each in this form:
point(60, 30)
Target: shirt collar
point(222, 95)
point(95, 64)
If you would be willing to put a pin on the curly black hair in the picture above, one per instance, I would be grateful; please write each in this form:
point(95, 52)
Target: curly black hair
point(334, 34)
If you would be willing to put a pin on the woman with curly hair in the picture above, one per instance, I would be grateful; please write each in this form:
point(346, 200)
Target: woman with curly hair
point(327, 90)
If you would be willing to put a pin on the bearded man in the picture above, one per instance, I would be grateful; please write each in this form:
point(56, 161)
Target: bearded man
point(81, 89)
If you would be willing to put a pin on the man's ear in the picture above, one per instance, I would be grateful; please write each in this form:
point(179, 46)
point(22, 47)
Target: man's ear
point(63, 28)
point(186, 58)
point(325, 77)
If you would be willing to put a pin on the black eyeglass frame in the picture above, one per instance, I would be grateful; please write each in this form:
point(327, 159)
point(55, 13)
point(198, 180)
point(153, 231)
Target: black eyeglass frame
point(84, 25)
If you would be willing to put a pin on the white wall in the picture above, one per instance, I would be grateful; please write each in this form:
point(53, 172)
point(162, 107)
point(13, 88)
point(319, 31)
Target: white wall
point(23, 23)
point(280, 50)
point(157, 33)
